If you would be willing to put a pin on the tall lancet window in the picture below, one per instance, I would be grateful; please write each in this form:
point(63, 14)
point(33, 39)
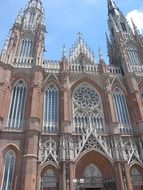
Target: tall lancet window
point(133, 56)
point(17, 107)
point(26, 48)
point(51, 108)
point(87, 110)
point(121, 110)
point(8, 172)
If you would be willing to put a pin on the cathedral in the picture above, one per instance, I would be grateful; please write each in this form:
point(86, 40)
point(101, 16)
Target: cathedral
point(74, 123)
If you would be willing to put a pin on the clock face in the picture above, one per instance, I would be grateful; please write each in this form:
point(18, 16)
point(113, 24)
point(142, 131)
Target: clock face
point(86, 97)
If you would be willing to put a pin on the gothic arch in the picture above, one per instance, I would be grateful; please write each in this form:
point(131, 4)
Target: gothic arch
point(88, 81)
point(28, 35)
point(8, 147)
point(20, 76)
point(51, 79)
point(100, 160)
point(48, 165)
point(44, 168)
point(136, 165)
point(117, 83)
point(136, 173)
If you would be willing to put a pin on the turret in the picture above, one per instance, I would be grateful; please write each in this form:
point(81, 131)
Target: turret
point(25, 46)
point(123, 48)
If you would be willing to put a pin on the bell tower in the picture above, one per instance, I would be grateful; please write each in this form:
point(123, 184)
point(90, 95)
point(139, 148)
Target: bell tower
point(25, 45)
point(123, 47)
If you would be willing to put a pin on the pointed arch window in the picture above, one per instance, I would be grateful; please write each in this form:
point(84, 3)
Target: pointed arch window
point(8, 172)
point(87, 110)
point(26, 48)
point(133, 56)
point(121, 110)
point(17, 107)
point(51, 109)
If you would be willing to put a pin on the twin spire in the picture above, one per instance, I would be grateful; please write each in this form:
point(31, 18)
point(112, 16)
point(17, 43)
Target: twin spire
point(112, 8)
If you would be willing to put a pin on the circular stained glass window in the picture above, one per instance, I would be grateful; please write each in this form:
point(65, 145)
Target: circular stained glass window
point(86, 97)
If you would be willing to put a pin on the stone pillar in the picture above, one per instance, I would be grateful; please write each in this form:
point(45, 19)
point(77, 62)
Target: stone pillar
point(30, 161)
point(32, 132)
point(63, 180)
point(5, 95)
point(112, 115)
point(119, 176)
point(72, 176)
point(128, 177)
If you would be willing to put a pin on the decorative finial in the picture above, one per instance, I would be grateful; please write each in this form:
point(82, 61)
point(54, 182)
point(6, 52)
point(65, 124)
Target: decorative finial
point(135, 29)
point(64, 50)
point(79, 36)
point(100, 54)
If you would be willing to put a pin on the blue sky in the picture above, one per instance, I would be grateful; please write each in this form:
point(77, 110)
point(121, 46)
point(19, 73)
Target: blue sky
point(65, 18)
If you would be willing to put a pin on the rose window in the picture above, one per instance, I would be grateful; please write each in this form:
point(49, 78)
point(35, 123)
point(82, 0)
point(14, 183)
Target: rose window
point(87, 107)
point(86, 97)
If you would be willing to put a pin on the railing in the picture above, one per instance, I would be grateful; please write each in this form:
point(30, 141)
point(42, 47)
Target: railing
point(114, 70)
point(136, 68)
point(52, 66)
point(125, 129)
point(77, 68)
point(86, 129)
point(22, 62)
point(50, 127)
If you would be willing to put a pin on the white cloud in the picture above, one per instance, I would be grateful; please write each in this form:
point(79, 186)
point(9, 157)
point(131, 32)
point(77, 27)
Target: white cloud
point(137, 17)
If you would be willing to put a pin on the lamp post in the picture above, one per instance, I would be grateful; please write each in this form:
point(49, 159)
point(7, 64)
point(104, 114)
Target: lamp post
point(78, 183)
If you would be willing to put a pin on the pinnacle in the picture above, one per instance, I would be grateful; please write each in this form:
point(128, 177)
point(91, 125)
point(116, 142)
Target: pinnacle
point(112, 8)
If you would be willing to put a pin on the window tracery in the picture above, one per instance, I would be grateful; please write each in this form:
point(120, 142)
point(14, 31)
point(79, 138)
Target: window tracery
point(87, 107)
point(51, 109)
point(16, 113)
point(137, 178)
point(133, 56)
point(92, 176)
point(49, 151)
point(48, 180)
point(26, 48)
point(8, 172)
point(121, 110)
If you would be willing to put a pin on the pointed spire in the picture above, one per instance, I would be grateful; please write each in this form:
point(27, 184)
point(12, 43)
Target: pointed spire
point(112, 8)
point(19, 17)
point(64, 50)
point(135, 29)
point(100, 54)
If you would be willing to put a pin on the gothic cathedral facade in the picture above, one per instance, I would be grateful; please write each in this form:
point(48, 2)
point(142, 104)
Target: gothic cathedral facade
point(74, 123)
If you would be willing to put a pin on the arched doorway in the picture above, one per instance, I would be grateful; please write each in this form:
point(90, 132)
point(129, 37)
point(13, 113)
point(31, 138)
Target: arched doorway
point(137, 179)
point(49, 180)
point(95, 171)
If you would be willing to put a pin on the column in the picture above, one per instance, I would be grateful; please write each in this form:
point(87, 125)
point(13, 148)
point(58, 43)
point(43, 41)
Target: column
point(119, 176)
point(72, 176)
point(128, 177)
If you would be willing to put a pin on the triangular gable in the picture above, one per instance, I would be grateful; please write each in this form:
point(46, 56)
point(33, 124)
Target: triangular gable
point(92, 142)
